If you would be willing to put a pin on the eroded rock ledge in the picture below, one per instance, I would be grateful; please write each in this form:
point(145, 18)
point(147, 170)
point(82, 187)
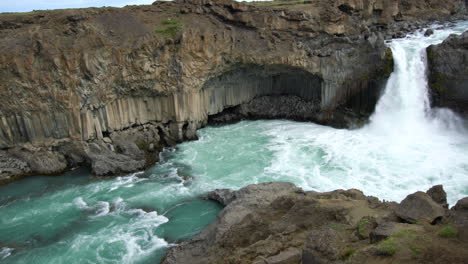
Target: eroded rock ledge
point(109, 87)
point(279, 223)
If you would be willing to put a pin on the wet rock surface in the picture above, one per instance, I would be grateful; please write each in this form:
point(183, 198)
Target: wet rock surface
point(448, 74)
point(280, 223)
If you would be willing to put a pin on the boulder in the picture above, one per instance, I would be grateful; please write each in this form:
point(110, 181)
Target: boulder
point(419, 206)
point(429, 32)
point(42, 161)
point(223, 196)
point(386, 229)
point(461, 205)
point(289, 256)
point(11, 166)
point(321, 246)
point(438, 194)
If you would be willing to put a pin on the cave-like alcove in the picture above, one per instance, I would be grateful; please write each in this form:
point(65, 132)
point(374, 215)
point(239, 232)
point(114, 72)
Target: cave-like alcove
point(300, 91)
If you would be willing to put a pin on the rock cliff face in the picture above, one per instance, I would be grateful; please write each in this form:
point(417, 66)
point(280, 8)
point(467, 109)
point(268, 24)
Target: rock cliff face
point(448, 73)
point(109, 87)
point(279, 223)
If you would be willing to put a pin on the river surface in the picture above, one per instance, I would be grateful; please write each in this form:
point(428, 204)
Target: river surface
point(406, 147)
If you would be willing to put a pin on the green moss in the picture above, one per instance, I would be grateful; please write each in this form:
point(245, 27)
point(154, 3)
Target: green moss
point(346, 253)
point(169, 28)
point(389, 63)
point(363, 227)
point(415, 250)
point(448, 232)
point(387, 247)
point(405, 233)
point(142, 145)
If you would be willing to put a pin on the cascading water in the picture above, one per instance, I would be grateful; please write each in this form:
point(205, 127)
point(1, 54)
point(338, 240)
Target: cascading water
point(406, 147)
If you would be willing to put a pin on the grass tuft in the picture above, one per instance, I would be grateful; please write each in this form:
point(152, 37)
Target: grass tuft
point(169, 28)
point(448, 232)
point(347, 253)
point(387, 247)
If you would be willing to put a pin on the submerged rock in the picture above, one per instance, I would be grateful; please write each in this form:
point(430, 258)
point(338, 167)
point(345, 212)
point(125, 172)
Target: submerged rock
point(429, 32)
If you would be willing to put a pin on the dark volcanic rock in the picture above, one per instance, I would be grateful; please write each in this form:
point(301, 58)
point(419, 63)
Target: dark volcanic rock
point(461, 205)
point(448, 73)
point(419, 206)
point(321, 246)
point(11, 166)
point(438, 194)
point(429, 32)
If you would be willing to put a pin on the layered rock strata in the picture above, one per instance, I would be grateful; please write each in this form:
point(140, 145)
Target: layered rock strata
point(109, 87)
point(279, 223)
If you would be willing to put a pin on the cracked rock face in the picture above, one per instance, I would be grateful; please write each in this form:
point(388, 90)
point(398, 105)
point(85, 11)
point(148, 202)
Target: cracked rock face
point(79, 76)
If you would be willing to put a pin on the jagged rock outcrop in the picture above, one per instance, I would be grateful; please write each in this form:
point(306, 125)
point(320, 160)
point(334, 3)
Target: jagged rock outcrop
point(448, 73)
point(280, 223)
point(72, 78)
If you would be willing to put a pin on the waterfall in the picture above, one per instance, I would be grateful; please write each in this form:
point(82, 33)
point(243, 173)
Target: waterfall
point(404, 108)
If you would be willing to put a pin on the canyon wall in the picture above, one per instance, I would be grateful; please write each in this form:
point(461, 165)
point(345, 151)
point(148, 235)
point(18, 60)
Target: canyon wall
point(110, 86)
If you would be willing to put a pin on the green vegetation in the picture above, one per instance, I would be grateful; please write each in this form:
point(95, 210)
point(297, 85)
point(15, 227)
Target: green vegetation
point(346, 253)
point(448, 232)
point(389, 63)
point(169, 28)
point(142, 145)
point(415, 250)
point(405, 233)
point(387, 247)
point(363, 227)
point(271, 3)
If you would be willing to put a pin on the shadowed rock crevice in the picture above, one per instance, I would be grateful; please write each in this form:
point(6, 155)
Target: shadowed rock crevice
point(281, 91)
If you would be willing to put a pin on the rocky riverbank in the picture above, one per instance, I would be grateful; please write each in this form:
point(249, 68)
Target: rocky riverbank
point(279, 223)
point(109, 87)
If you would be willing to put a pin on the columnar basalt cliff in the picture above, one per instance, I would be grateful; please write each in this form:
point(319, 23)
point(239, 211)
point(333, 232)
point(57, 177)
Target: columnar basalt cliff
point(109, 87)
